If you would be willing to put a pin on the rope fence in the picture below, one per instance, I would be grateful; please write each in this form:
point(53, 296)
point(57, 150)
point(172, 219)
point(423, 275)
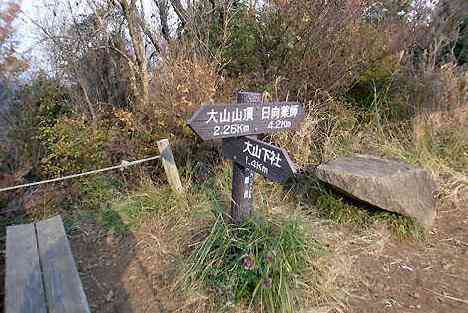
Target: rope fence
point(123, 165)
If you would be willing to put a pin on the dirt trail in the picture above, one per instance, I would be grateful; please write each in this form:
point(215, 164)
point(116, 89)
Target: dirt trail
point(429, 277)
point(135, 273)
point(125, 274)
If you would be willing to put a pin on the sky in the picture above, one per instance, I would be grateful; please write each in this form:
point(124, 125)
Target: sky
point(27, 35)
point(25, 28)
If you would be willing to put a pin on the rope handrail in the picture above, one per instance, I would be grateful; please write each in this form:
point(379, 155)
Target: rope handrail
point(123, 165)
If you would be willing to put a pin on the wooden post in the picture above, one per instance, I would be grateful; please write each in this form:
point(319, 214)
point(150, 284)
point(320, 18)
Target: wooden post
point(169, 165)
point(242, 177)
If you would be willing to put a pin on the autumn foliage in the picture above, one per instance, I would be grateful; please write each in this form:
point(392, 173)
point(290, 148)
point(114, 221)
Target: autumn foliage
point(10, 63)
point(125, 82)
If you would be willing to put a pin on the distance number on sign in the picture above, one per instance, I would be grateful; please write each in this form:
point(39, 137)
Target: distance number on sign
point(233, 129)
point(279, 124)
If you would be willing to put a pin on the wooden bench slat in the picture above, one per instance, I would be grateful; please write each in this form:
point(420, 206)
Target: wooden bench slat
point(23, 279)
point(62, 283)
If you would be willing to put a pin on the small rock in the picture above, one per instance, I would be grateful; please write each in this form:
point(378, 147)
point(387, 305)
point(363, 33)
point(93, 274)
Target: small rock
point(390, 185)
point(110, 240)
point(418, 306)
point(110, 296)
point(416, 295)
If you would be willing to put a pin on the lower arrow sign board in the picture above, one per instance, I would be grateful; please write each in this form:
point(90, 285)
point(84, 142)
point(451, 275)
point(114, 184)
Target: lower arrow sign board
point(264, 158)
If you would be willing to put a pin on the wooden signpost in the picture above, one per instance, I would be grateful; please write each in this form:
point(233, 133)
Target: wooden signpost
point(242, 177)
point(235, 123)
point(242, 119)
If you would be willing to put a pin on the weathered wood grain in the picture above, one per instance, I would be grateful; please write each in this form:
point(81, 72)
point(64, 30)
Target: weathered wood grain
point(243, 178)
point(170, 167)
point(63, 289)
point(23, 281)
point(242, 119)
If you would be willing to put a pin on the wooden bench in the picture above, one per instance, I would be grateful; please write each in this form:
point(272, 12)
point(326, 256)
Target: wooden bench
point(41, 275)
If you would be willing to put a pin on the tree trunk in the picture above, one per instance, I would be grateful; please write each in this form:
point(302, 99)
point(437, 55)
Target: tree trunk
point(163, 7)
point(130, 13)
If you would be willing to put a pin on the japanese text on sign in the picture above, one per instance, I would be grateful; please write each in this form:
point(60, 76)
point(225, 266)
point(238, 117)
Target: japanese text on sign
point(247, 114)
point(262, 153)
point(236, 120)
point(264, 158)
point(230, 116)
point(277, 112)
point(240, 115)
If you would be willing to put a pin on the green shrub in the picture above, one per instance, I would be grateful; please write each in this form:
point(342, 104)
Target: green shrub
point(98, 191)
point(73, 146)
point(49, 99)
point(241, 55)
point(261, 262)
point(461, 45)
point(38, 104)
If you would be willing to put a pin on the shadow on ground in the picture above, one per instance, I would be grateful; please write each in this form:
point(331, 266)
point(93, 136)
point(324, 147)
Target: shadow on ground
point(120, 273)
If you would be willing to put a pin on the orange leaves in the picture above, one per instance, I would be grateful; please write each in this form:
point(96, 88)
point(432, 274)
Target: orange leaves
point(8, 13)
point(186, 83)
point(126, 118)
point(11, 12)
point(10, 64)
point(354, 5)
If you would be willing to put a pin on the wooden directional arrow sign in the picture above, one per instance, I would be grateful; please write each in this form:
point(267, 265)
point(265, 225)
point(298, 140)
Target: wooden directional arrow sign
point(241, 119)
point(264, 158)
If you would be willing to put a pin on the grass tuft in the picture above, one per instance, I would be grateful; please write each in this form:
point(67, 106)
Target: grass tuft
point(127, 211)
point(339, 211)
point(261, 262)
point(97, 190)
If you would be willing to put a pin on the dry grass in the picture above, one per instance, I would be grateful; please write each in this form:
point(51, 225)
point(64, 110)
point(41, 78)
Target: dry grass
point(181, 84)
point(168, 227)
point(435, 137)
point(173, 232)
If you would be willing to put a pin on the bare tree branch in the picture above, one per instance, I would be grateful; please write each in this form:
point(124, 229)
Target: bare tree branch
point(180, 11)
point(163, 7)
point(136, 28)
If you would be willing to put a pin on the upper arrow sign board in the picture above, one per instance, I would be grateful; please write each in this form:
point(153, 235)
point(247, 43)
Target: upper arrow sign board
point(241, 119)
point(264, 158)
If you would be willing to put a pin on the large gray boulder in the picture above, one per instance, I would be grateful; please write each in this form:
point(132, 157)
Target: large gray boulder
point(390, 185)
